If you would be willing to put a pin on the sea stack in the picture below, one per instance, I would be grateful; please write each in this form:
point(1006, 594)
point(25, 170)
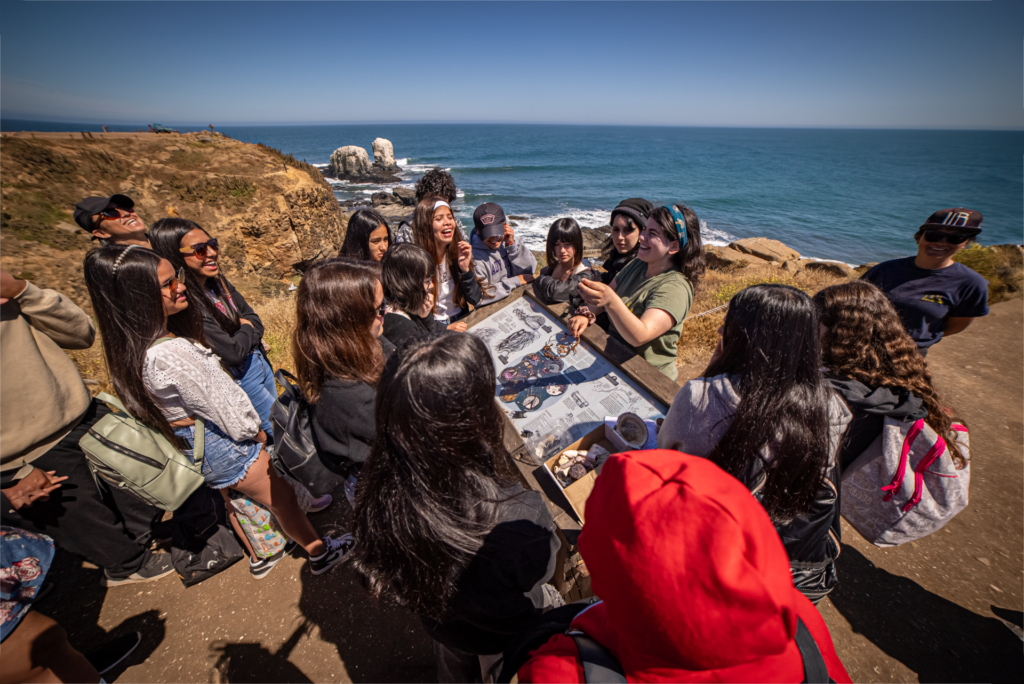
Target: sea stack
point(352, 163)
point(384, 156)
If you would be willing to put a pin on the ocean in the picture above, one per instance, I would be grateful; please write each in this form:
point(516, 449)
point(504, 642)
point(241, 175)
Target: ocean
point(850, 195)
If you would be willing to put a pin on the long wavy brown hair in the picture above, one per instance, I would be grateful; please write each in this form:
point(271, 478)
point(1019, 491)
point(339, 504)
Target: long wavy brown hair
point(335, 308)
point(423, 235)
point(866, 342)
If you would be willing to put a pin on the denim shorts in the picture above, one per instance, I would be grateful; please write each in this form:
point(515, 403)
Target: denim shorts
point(225, 461)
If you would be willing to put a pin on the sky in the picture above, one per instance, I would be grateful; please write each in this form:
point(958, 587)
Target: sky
point(954, 64)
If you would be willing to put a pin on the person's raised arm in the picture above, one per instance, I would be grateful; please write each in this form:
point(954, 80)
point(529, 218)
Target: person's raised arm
point(50, 312)
point(635, 331)
point(955, 325)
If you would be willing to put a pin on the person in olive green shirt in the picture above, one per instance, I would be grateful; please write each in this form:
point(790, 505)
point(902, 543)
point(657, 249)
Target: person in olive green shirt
point(649, 298)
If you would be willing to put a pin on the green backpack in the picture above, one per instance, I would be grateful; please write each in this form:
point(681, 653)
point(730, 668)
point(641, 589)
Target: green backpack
point(140, 460)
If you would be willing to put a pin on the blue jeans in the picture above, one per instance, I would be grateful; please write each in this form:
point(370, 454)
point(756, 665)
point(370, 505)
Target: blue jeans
point(258, 383)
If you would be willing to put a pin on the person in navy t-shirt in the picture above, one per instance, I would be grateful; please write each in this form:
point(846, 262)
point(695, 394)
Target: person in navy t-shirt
point(934, 295)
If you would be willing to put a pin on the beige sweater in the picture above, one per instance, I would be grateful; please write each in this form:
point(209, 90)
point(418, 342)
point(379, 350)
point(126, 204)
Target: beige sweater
point(42, 396)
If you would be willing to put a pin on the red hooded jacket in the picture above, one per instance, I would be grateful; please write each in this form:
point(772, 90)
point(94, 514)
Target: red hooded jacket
point(695, 583)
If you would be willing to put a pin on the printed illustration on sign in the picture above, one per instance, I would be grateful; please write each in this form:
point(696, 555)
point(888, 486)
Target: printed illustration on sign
point(515, 342)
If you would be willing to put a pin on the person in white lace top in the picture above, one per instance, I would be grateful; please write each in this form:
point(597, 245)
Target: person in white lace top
point(166, 383)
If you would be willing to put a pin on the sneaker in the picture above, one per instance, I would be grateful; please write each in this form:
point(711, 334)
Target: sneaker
point(263, 566)
point(107, 656)
point(337, 548)
point(317, 505)
point(158, 565)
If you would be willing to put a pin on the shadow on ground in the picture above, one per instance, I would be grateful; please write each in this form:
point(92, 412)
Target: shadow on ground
point(936, 638)
point(75, 603)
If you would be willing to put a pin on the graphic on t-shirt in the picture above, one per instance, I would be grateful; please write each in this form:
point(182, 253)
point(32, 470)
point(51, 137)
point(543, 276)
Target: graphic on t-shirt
point(936, 299)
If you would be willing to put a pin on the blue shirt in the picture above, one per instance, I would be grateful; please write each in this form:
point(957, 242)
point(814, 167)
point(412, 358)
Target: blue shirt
point(924, 298)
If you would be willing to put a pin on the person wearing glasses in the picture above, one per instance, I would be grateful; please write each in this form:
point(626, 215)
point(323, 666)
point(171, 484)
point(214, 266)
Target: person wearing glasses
point(139, 299)
point(233, 330)
point(112, 220)
point(934, 295)
point(339, 355)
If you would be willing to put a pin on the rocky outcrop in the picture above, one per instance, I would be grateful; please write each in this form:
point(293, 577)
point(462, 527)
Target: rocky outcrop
point(384, 156)
point(267, 209)
point(832, 268)
point(352, 163)
point(764, 248)
point(407, 195)
point(723, 258)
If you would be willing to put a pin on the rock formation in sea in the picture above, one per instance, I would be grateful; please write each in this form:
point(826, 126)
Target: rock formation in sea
point(352, 163)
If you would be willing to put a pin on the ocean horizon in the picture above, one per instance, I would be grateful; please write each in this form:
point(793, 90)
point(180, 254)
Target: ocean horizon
point(850, 195)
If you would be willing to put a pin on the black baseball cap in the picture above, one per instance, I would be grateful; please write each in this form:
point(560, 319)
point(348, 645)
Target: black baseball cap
point(959, 218)
point(636, 209)
point(87, 208)
point(489, 220)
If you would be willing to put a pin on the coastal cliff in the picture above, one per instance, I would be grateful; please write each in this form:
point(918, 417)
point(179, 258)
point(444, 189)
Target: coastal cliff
point(268, 209)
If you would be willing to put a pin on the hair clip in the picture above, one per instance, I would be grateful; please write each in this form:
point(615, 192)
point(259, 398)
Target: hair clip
point(680, 220)
point(120, 258)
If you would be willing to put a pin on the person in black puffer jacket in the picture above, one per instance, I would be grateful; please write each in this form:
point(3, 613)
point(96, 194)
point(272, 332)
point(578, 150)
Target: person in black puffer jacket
point(559, 280)
point(406, 274)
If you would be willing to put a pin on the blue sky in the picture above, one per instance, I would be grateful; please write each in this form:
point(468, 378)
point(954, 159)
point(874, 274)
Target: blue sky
point(819, 64)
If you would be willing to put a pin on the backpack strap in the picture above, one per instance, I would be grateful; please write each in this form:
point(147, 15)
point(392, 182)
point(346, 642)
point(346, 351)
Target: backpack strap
point(599, 666)
point(815, 671)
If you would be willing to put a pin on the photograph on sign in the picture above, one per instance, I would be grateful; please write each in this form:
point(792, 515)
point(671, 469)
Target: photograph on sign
point(553, 388)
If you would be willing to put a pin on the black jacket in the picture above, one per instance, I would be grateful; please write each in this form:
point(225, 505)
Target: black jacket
point(234, 350)
point(550, 290)
point(399, 329)
point(870, 406)
point(498, 596)
point(613, 264)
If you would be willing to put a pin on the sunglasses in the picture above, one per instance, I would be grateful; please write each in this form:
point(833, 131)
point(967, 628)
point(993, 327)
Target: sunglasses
point(383, 308)
point(173, 283)
point(942, 236)
point(200, 248)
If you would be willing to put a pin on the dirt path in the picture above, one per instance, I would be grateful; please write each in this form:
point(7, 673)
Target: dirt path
point(923, 611)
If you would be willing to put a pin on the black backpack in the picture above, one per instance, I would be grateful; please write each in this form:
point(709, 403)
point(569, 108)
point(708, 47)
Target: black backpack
point(601, 667)
point(296, 450)
point(202, 541)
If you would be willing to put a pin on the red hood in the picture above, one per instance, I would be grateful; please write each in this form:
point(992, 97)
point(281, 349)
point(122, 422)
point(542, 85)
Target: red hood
point(693, 576)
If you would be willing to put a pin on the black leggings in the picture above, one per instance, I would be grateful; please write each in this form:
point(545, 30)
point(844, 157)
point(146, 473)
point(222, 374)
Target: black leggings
point(111, 529)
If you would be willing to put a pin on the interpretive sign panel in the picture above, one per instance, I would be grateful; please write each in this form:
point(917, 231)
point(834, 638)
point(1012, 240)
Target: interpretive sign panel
point(554, 389)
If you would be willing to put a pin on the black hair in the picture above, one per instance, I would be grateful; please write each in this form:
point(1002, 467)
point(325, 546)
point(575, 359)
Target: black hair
point(430, 490)
point(357, 235)
point(403, 270)
point(438, 182)
point(129, 310)
point(689, 260)
point(565, 230)
point(771, 339)
point(165, 235)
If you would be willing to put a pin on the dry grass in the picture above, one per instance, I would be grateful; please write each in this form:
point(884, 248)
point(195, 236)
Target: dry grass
point(700, 334)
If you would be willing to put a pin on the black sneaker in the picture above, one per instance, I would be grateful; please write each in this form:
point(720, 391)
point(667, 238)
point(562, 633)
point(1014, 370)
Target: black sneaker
point(337, 547)
point(158, 565)
point(263, 566)
point(106, 657)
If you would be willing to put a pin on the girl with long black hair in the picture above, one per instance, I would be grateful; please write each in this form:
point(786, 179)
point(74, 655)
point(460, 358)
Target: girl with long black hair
point(232, 329)
point(140, 301)
point(435, 229)
point(407, 274)
point(442, 524)
point(648, 300)
point(367, 237)
point(763, 411)
point(559, 280)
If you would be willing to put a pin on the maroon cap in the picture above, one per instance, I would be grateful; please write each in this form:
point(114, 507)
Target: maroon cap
point(967, 220)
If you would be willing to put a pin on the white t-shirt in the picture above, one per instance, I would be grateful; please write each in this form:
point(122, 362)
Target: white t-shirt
point(445, 308)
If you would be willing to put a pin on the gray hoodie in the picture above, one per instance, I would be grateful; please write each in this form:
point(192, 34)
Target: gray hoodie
point(501, 267)
point(703, 409)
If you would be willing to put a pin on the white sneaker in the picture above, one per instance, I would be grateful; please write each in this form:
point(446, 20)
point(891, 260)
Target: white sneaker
point(337, 548)
point(317, 505)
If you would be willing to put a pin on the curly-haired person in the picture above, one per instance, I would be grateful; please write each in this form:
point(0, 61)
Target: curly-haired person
point(436, 182)
point(875, 366)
